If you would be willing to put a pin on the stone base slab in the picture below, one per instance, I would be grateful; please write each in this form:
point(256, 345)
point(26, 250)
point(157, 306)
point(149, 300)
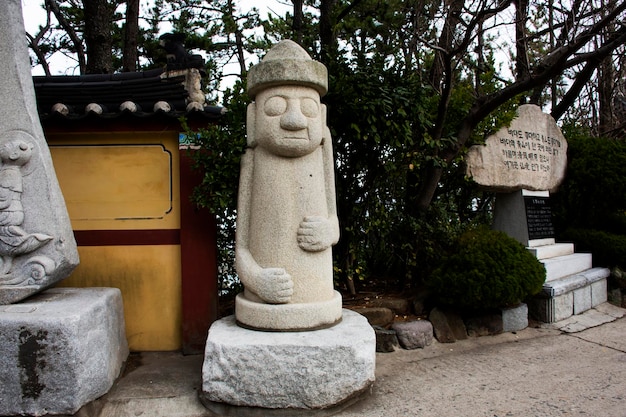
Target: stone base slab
point(273, 372)
point(570, 295)
point(288, 317)
point(60, 349)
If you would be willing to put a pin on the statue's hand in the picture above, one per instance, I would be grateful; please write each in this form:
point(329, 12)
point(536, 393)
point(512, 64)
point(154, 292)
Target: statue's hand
point(315, 234)
point(275, 286)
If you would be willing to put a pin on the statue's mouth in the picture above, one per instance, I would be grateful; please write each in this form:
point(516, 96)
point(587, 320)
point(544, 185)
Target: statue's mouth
point(296, 138)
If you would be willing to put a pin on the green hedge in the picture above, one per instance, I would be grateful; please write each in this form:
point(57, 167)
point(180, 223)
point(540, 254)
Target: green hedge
point(608, 249)
point(488, 269)
point(593, 194)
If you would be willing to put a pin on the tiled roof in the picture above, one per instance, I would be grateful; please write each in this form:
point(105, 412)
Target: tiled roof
point(151, 94)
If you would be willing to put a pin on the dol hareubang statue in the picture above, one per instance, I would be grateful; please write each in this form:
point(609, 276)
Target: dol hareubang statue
point(287, 220)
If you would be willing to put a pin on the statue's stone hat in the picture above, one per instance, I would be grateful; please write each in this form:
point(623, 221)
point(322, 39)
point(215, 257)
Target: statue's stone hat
point(287, 64)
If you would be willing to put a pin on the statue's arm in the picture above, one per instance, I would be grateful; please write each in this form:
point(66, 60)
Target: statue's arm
point(329, 177)
point(317, 233)
point(272, 285)
point(245, 264)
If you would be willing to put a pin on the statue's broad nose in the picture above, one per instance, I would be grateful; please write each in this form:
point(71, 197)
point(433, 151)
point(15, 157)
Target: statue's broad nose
point(293, 119)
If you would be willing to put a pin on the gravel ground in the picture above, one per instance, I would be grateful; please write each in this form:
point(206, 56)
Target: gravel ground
point(536, 372)
point(539, 372)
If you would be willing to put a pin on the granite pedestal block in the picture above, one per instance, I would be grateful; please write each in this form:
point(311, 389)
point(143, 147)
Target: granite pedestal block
point(515, 318)
point(274, 371)
point(60, 349)
point(571, 295)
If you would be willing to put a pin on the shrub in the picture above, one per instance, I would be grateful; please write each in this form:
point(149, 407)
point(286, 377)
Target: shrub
point(487, 269)
point(593, 194)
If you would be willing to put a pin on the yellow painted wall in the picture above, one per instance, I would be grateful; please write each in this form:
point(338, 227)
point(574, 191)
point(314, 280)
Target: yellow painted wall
point(127, 181)
point(149, 278)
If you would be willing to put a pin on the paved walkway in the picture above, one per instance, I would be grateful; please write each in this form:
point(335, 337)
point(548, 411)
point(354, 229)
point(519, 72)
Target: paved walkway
point(573, 368)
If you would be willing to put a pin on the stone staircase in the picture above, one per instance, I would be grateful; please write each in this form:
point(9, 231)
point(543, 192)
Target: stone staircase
point(572, 285)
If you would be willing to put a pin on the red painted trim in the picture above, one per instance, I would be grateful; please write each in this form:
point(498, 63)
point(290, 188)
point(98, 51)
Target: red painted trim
point(127, 237)
point(198, 236)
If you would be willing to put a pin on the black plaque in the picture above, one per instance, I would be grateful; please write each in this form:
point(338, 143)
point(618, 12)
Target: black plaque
point(539, 218)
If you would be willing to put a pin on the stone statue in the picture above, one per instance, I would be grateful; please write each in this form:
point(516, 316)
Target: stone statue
point(287, 219)
point(14, 240)
point(37, 246)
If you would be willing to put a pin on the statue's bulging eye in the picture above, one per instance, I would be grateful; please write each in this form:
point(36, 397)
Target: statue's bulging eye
point(275, 106)
point(309, 107)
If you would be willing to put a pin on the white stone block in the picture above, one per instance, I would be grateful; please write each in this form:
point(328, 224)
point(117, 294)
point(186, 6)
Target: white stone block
point(277, 370)
point(60, 350)
point(599, 294)
point(562, 266)
point(533, 243)
point(552, 251)
point(582, 299)
point(562, 307)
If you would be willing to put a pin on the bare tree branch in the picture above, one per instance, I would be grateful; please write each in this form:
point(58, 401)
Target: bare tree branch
point(53, 6)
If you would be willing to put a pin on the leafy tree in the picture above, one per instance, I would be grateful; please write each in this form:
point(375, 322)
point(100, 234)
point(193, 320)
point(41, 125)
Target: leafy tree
point(414, 83)
point(222, 146)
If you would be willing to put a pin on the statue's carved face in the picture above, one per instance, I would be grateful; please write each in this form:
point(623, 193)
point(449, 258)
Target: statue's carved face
point(16, 152)
point(288, 120)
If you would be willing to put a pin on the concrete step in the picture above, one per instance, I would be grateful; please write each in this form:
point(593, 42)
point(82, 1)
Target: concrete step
point(573, 282)
point(552, 251)
point(563, 266)
point(570, 295)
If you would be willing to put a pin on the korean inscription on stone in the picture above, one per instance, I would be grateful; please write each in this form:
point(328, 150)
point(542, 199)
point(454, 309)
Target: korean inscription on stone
point(530, 154)
point(539, 217)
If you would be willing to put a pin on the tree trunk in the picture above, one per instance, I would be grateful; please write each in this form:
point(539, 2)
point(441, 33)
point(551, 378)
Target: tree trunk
point(606, 87)
point(98, 36)
point(327, 39)
point(433, 173)
point(522, 66)
point(298, 19)
point(131, 35)
point(445, 45)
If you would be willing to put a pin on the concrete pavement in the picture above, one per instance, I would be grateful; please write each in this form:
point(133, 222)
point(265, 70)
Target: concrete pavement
point(573, 368)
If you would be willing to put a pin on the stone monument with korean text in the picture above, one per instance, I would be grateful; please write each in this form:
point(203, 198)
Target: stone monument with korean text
point(523, 163)
point(289, 345)
point(60, 348)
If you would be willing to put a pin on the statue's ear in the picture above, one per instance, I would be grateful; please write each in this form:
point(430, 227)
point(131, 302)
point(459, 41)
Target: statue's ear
point(250, 119)
point(326, 130)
